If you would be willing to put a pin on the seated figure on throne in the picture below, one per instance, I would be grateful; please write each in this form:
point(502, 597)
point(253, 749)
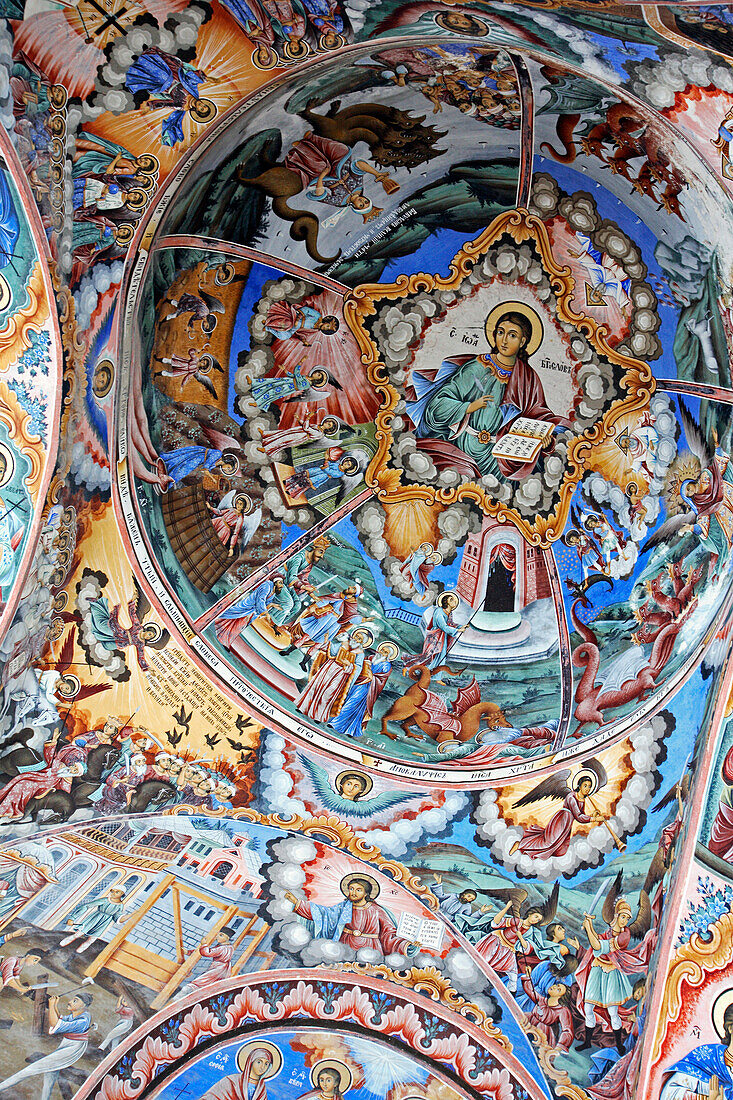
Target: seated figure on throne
point(463, 407)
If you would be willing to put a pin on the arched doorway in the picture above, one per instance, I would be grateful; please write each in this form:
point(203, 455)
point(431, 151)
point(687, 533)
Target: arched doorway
point(500, 592)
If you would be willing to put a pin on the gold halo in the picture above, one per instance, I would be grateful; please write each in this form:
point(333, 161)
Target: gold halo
point(586, 773)
point(124, 233)
point(527, 311)
point(344, 884)
point(277, 1058)
point(478, 31)
point(723, 1001)
point(60, 601)
point(203, 110)
point(6, 475)
point(248, 505)
point(101, 390)
point(362, 775)
point(344, 1073)
point(148, 163)
point(330, 425)
point(71, 693)
point(395, 649)
point(158, 632)
point(365, 632)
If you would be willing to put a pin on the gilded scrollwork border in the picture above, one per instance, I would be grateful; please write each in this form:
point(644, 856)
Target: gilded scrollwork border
point(691, 966)
point(637, 379)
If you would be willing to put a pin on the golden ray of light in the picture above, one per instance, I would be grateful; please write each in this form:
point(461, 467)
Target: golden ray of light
point(409, 523)
point(615, 760)
point(608, 459)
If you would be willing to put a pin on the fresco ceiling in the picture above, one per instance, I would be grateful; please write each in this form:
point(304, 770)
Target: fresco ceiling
point(366, 511)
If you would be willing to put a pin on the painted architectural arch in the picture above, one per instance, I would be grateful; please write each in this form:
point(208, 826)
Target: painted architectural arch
point(366, 512)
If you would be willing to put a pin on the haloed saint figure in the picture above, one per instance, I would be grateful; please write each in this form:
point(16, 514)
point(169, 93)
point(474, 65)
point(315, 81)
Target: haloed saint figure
point(461, 409)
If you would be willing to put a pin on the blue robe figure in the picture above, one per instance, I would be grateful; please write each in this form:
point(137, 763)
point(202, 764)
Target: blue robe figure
point(184, 460)
point(236, 618)
point(337, 613)
point(439, 629)
point(691, 1075)
point(170, 82)
point(356, 709)
point(324, 16)
point(265, 391)
point(9, 224)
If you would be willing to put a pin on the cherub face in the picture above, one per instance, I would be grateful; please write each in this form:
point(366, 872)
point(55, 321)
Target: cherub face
point(351, 787)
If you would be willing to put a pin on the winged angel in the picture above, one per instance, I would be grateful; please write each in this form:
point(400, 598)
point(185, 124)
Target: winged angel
point(602, 976)
point(102, 636)
point(577, 808)
point(346, 795)
point(703, 499)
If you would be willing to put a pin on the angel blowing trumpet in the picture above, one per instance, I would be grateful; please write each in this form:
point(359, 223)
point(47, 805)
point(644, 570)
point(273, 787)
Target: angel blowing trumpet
point(554, 838)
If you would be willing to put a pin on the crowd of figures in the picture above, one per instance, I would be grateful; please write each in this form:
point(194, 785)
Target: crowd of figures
point(577, 996)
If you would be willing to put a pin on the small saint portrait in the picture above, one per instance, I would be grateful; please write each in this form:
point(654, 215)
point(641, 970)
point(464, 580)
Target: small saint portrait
point(103, 378)
point(258, 1062)
point(353, 785)
point(486, 413)
point(331, 1080)
point(457, 22)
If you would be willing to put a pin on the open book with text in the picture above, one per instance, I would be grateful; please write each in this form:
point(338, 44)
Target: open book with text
point(428, 933)
point(525, 440)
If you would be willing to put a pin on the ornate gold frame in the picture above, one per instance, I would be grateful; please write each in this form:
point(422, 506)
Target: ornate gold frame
point(691, 965)
point(637, 379)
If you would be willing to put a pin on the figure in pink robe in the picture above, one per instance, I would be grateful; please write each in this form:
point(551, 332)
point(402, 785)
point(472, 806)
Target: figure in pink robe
point(220, 952)
point(228, 524)
point(554, 838)
point(545, 1017)
point(62, 767)
point(721, 834)
point(357, 921)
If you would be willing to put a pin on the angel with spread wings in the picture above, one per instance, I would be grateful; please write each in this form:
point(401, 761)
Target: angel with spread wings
point(517, 934)
point(107, 630)
point(202, 307)
point(196, 365)
point(346, 795)
point(602, 976)
point(705, 502)
point(554, 838)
